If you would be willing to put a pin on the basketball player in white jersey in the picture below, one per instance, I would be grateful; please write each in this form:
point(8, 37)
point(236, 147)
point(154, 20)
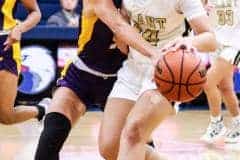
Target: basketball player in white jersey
point(135, 107)
point(226, 20)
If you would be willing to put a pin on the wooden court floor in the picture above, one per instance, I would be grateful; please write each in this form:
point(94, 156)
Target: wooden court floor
point(176, 139)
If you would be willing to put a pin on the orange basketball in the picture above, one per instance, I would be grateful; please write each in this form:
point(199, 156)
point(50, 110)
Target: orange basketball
point(180, 75)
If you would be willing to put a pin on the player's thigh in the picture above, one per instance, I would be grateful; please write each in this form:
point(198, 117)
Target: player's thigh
point(8, 91)
point(150, 109)
point(115, 114)
point(66, 102)
point(227, 81)
point(216, 72)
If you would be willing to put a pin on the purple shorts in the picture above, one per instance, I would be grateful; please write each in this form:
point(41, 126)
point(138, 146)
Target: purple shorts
point(10, 60)
point(91, 89)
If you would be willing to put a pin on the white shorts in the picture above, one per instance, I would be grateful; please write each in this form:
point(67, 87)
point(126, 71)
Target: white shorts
point(134, 78)
point(230, 54)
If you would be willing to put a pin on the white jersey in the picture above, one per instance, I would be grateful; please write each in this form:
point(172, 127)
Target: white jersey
point(225, 18)
point(160, 21)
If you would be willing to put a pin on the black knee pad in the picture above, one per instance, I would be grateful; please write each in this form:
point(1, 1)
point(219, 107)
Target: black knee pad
point(55, 132)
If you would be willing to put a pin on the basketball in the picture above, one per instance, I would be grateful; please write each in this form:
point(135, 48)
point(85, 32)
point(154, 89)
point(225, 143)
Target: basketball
point(180, 75)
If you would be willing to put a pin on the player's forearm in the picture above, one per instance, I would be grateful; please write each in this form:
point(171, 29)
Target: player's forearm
point(109, 14)
point(205, 42)
point(131, 37)
point(31, 21)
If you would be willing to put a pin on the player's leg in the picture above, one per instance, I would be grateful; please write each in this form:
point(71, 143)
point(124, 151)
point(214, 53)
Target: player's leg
point(231, 102)
point(115, 114)
point(9, 68)
point(8, 90)
point(147, 114)
point(65, 110)
point(226, 87)
point(216, 127)
point(120, 102)
point(211, 88)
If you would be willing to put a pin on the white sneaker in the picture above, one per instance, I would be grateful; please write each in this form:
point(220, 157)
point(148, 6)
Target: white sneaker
point(214, 131)
point(45, 102)
point(233, 134)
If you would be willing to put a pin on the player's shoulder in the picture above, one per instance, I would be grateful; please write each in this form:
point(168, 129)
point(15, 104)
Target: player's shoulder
point(88, 8)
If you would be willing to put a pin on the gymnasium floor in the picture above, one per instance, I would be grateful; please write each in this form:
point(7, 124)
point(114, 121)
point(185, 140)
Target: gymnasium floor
point(176, 139)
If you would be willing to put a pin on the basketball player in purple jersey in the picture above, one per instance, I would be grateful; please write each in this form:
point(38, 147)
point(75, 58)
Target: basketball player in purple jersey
point(86, 80)
point(10, 60)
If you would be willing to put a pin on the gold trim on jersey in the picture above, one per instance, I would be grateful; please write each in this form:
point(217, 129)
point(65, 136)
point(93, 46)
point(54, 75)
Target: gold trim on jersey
point(65, 69)
point(17, 55)
point(7, 10)
point(87, 27)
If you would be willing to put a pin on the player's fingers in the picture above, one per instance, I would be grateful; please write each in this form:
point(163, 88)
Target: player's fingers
point(6, 47)
point(193, 50)
point(7, 44)
point(7, 41)
point(169, 47)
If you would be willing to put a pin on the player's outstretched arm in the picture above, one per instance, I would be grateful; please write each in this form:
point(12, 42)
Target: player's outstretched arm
point(110, 15)
point(34, 15)
point(33, 18)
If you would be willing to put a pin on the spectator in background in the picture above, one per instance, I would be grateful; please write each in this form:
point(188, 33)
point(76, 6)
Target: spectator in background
point(67, 16)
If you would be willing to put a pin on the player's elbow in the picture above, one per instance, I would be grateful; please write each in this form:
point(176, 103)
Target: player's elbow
point(112, 18)
point(38, 15)
point(35, 13)
point(208, 43)
point(212, 45)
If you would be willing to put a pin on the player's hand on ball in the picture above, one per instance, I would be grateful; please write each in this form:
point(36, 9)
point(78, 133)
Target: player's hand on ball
point(14, 36)
point(179, 43)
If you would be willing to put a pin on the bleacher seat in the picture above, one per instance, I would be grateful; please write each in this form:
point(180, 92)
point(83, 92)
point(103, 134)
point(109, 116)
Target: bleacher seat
point(47, 10)
point(47, 7)
point(44, 32)
point(49, 1)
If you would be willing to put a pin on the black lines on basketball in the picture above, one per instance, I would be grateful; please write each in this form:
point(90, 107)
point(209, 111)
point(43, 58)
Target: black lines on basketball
point(158, 78)
point(169, 69)
point(190, 75)
point(183, 84)
point(181, 75)
point(159, 70)
point(177, 75)
point(171, 74)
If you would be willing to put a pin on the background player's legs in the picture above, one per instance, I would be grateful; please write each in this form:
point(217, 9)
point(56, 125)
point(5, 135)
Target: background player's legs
point(115, 114)
point(148, 112)
point(65, 110)
point(226, 87)
point(220, 83)
point(66, 102)
point(231, 102)
point(8, 91)
point(216, 127)
point(214, 76)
